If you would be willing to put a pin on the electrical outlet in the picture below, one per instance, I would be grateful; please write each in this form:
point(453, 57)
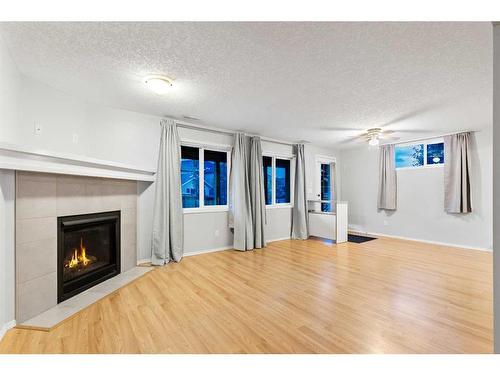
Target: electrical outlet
point(216, 233)
point(386, 222)
point(75, 138)
point(38, 128)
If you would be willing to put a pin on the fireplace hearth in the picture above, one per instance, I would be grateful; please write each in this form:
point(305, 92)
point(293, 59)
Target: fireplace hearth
point(88, 251)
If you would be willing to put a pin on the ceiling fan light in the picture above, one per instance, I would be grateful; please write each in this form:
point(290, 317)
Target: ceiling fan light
point(158, 83)
point(373, 142)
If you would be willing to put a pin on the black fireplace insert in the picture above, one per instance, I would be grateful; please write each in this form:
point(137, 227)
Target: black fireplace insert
point(88, 251)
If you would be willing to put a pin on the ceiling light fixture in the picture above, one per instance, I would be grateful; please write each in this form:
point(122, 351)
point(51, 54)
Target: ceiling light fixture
point(158, 83)
point(373, 142)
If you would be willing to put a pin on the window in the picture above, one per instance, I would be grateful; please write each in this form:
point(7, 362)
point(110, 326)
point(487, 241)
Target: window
point(211, 180)
point(282, 181)
point(190, 181)
point(419, 155)
point(409, 156)
point(435, 153)
point(276, 180)
point(326, 187)
point(267, 164)
point(215, 178)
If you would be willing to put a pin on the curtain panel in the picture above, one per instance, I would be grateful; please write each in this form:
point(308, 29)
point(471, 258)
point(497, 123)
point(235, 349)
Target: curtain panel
point(167, 242)
point(387, 183)
point(300, 223)
point(240, 208)
point(257, 195)
point(457, 178)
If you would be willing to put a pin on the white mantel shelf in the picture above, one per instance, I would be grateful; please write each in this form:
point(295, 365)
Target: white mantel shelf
point(25, 158)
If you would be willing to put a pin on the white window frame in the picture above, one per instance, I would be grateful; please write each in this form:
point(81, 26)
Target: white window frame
point(273, 157)
point(424, 143)
point(201, 157)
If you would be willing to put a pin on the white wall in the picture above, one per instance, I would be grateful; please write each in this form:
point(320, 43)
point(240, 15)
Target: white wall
point(420, 214)
point(103, 133)
point(9, 89)
point(496, 185)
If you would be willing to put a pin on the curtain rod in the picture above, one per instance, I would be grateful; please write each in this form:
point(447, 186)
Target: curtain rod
point(430, 137)
point(211, 129)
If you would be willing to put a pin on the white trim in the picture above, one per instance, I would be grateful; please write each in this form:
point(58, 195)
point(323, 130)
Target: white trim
point(206, 145)
point(278, 155)
point(420, 240)
point(278, 206)
point(6, 327)
point(190, 125)
point(280, 239)
point(205, 209)
point(214, 250)
point(419, 140)
point(21, 158)
point(142, 261)
point(72, 157)
point(325, 158)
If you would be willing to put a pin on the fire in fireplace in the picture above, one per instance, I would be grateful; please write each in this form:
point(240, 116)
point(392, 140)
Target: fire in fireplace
point(88, 251)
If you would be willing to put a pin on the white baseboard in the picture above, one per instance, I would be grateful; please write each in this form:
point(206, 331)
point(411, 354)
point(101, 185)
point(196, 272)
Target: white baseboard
point(352, 230)
point(280, 239)
point(206, 251)
point(6, 327)
point(142, 261)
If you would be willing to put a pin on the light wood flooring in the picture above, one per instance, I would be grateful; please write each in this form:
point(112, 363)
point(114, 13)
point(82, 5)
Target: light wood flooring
point(382, 296)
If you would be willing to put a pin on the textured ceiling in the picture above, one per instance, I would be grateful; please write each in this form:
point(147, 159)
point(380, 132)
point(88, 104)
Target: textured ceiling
point(295, 81)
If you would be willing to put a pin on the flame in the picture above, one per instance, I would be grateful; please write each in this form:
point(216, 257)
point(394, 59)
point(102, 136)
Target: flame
point(79, 256)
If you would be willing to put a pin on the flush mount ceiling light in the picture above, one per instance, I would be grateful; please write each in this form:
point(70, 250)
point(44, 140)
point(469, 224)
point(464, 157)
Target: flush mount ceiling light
point(158, 83)
point(373, 136)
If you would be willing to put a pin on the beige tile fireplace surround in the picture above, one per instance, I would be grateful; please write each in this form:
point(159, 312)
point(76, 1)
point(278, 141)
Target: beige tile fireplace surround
point(40, 199)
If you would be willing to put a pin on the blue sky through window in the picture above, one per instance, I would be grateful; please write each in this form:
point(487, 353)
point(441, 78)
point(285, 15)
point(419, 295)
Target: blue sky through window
point(409, 156)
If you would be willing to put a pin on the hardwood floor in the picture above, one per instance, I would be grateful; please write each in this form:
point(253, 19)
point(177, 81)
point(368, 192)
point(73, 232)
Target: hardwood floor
point(382, 296)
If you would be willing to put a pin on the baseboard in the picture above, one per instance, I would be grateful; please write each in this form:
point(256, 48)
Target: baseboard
point(280, 239)
point(206, 251)
point(6, 327)
point(214, 250)
point(356, 231)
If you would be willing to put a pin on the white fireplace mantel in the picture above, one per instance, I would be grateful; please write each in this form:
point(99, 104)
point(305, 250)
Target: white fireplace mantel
point(26, 158)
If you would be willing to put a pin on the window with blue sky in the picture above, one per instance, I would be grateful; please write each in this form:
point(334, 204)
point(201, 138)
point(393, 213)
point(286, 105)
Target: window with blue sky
point(419, 155)
point(409, 156)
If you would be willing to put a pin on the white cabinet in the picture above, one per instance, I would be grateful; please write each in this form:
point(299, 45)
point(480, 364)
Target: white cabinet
point(330, 225)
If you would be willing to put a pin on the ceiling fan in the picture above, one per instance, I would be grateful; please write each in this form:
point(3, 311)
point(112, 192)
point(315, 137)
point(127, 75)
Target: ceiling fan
point(374, 135)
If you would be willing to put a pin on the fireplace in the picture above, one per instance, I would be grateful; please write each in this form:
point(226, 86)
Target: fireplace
point(88, 251)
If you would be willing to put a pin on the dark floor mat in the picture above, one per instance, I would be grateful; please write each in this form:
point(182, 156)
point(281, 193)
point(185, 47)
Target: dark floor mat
point(359, 239)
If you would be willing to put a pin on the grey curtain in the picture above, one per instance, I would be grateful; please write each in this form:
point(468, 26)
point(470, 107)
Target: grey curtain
point(240, 210)
point(167, 241)
point(387, 183)
point(457, 163)
point(299, 212)
point(257, 195)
